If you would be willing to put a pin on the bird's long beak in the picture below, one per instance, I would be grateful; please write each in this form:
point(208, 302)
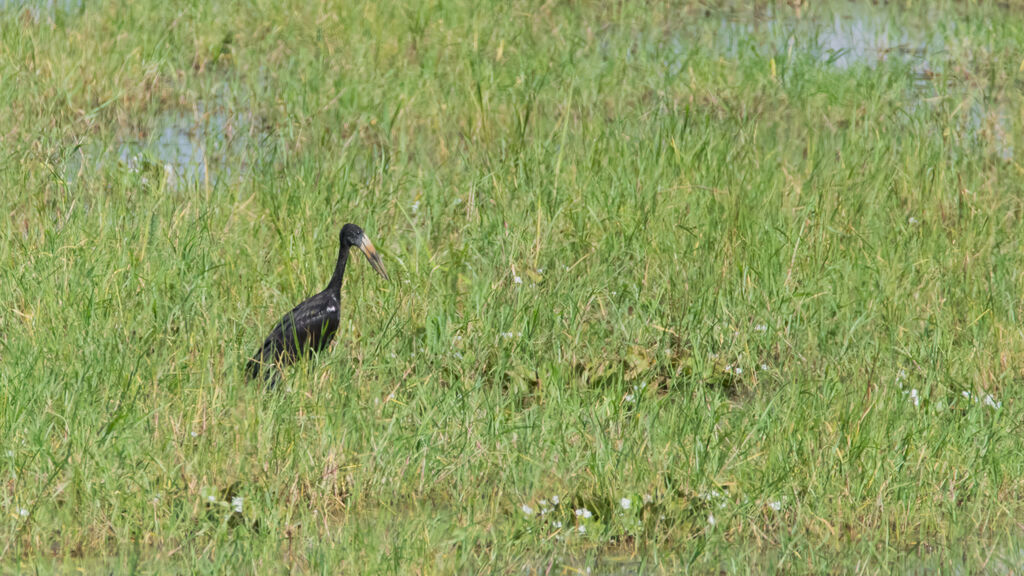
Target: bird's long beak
point(371, 254)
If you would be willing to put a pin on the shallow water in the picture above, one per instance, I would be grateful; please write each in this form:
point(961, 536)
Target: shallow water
point(180, 148)
point(195, 147)
point(989, 125)
point(40, 8)
point(850, 35)
point(868, 37)
point(211, 143)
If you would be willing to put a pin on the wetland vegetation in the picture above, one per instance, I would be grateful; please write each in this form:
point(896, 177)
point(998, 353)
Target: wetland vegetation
point(676, 286)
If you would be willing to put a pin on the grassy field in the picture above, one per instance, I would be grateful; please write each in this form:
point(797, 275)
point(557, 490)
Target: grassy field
point(675, 287)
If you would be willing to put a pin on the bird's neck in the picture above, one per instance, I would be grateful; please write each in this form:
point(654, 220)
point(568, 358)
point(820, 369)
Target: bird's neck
point(339, 269)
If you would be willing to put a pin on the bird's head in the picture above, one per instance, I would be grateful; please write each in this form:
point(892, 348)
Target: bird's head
point(352, 235)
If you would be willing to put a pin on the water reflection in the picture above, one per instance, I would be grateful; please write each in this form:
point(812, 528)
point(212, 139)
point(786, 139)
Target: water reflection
point(173, 148)
point(39, 8)
point(190, 147)
point(842, 35)
point(988, 126)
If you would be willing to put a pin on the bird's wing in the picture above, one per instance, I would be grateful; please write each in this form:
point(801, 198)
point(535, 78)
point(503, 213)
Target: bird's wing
point(293, 332)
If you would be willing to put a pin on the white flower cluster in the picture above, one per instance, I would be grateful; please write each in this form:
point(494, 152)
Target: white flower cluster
point(913, 394)
point(988, 400)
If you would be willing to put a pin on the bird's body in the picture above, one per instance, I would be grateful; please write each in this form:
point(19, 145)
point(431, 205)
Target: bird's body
point(311, 326)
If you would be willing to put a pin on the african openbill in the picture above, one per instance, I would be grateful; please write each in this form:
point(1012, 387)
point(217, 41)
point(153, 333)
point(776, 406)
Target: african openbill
point(310, 326)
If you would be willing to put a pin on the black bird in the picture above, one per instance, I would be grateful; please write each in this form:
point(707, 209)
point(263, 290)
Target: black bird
point(310, 326)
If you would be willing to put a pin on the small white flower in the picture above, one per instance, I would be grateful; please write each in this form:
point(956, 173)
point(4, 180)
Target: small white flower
point(966, 394)
point(728, 368)
point(990, 401)
point(583, 529)
point(764, 366)
point(624, 503)
point(211, 498)
point(583, 513)
point(193, 433)
point(415, 206)
point(22, 512)
point(144, 180)
point(711, 519)
point(236, 504)
point(544, 511)
point(760, 328)
point(540, 270)
point(775, 505)
point(527, 510)
point(738, 371)
point(912, 220)
point(543, 503)
point(555, 500)
point(517, 280)
point(629, 398)
point(648, 498)
point(556, 524)
point(915, 398)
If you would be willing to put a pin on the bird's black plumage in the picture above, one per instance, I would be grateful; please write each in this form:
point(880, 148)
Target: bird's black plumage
point(311, 326)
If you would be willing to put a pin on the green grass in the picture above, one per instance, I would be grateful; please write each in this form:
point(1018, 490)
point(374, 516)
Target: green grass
point(675, 253)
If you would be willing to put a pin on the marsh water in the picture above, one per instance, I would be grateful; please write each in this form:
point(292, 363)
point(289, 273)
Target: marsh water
point(213, 142)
